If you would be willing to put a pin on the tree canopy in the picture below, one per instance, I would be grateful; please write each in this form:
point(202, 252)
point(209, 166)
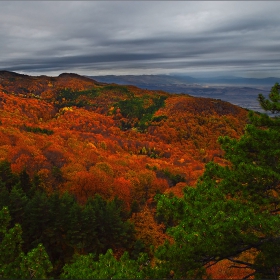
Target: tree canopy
point(233, 212)
point(77, 184)
point(14, 263)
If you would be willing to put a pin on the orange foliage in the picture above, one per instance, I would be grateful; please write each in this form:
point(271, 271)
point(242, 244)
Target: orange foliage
point(147, 229)
point(83, 186)
point(87, 145)
point(177, 190)
point(122, 189)
point(225, 270)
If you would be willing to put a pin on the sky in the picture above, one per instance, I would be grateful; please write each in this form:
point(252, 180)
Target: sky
point(194, 38)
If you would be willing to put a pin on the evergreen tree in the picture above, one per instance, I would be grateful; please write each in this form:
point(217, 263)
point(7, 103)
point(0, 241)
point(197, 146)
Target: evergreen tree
point(7, 176)
point(73, 227)
point(88, 229)
point(36, 220)
point(13, 262)
point(234, 209)
point(107, 267)
point(25, 181)
point(112, 228)
point(272, 104)
point(17, 202)
point(4, 195)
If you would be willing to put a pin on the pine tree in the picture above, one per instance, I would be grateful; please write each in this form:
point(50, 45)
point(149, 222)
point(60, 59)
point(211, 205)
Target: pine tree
point(7, 176)
point(17, 202)
point(13, 262)
point(272, 104)
point(107, 267)
point(25, 181)
point(234, 209)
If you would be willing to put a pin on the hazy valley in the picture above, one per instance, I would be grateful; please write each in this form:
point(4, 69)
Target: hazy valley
point(239, 91)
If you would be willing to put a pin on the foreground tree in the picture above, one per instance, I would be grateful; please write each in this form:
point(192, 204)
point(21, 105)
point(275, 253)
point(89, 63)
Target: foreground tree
point(13, 262)
point(272, 104)
point(107, 267)
point(234, 209)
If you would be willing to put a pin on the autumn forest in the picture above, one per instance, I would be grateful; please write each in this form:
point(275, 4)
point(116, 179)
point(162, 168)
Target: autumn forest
point(110, 181)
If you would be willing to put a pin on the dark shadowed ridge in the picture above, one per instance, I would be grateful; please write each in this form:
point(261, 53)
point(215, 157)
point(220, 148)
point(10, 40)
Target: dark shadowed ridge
point(182, 79)
point(4, 73)
point(9, 74)
point(74, 75)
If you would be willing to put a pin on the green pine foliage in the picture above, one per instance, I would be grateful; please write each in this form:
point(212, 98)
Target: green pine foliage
point(7, 176)
point(272, 104)
point(59, 223)
point(14, 263)
point(68, 97)
point(38, 130)
point(233, 208)
point(139, 111)
point(107, 267)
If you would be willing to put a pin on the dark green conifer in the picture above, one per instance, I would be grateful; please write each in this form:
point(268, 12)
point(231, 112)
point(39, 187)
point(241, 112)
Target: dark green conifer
point(14, 263)
point(7, 176)
point(25, 181)
point(17, 202)
point(234, 208)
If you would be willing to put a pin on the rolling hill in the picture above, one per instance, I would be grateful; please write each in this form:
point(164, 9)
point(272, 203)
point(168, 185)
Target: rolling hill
point(238, 91)
point(78, 126)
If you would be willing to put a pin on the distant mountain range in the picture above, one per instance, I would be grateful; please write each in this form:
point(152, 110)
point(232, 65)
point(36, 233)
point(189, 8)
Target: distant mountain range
point(239, 91)
point(180, 79)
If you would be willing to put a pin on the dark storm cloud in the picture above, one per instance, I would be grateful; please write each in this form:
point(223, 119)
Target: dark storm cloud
point(140, 37)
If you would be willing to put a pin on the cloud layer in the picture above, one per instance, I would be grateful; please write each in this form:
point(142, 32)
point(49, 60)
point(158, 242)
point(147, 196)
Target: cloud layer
point(141, 37)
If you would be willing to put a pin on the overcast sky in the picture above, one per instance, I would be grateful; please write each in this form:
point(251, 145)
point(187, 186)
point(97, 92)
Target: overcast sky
point(141, 37)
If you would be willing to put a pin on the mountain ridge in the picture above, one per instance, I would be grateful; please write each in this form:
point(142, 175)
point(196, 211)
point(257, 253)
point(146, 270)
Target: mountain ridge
point(219, 80)
point(239, 91)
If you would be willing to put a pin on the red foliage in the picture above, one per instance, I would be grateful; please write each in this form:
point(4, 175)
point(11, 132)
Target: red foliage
point(122, 189)
point(85, 139)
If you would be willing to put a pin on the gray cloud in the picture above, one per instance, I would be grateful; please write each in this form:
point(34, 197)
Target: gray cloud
point(140, 37)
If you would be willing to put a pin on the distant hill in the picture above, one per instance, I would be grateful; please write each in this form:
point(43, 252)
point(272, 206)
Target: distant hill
point(239, 91)
point(181, 79)
point(238, 81)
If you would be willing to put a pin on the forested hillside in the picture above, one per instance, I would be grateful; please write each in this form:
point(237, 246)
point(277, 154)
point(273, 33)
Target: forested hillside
point(83, 165)
point(71, 131)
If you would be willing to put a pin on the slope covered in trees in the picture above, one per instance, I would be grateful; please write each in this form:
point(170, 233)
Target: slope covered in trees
point(82, 163)
point(71, 131)
point(233, 213)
